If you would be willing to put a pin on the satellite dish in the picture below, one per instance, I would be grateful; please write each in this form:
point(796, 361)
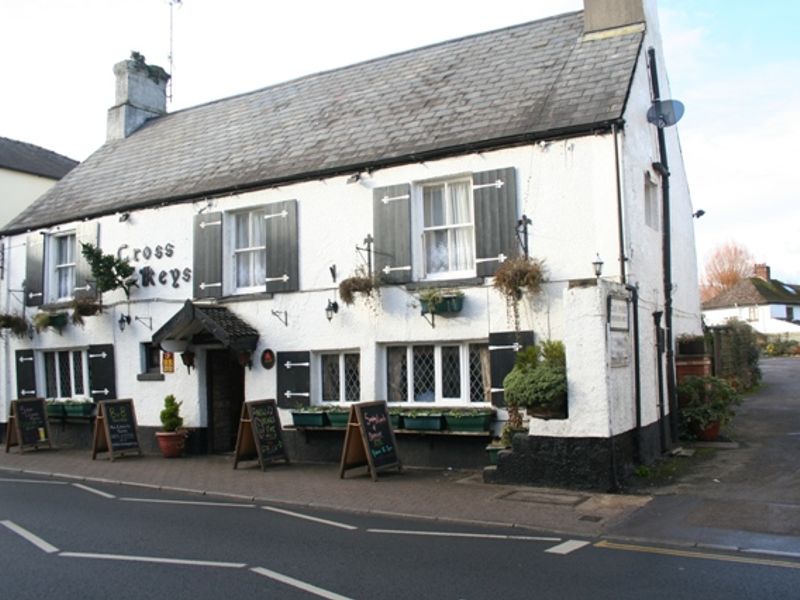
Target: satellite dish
point(665, 113)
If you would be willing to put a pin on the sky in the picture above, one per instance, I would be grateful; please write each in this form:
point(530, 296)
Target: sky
point(735, 64)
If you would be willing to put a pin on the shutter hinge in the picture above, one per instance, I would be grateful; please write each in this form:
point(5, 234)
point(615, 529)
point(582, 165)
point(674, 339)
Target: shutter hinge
point(516, 347)
point(205, 285)
point(284, 278)
point(205, 224)
point(27, 392)
point(288, 394)
point(289, 364)
point(387, 269)
point(501, 258)
point(104, 392)
point(101, 355)
point(387, 199)
point(23, 359)
point(283, 214)
point(496, 184)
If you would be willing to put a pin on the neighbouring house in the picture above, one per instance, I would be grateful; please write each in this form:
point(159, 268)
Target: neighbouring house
point(769, 306)
point(26, 172)
point(426, 169)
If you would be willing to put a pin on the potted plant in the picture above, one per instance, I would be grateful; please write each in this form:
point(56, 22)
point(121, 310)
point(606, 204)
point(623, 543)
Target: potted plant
point(17, 324)
point(84, 308)
point(359, 283)
point(538, 382)
point(172, 439)
point(707, 405)
point(338, 415)
point(468, 419)
point(516, 276)
point(44, 319)
point(423, 419)
point(309, 416)
point(441, 301)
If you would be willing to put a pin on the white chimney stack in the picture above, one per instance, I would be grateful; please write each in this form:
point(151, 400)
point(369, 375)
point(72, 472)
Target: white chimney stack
point(600, 15)
point(141, 94)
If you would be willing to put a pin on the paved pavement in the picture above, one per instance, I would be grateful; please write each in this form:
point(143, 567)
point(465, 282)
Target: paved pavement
point(745, 497)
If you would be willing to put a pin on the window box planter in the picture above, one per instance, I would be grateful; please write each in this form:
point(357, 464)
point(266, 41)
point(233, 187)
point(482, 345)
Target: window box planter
point(423, 422)
point(396, 419)
point(55, 410)
point(309, 419)
point(468, 422)
point(338, 418)
point(78, 409)
point(444, 305)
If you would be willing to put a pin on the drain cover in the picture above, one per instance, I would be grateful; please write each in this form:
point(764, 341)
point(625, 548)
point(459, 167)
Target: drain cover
point(590, 518)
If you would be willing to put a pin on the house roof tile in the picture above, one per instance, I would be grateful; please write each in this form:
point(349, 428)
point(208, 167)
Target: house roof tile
point(27, 158)
point(755, 291)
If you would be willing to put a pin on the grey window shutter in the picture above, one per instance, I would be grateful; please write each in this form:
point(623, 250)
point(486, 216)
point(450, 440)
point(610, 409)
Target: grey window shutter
point(283, 271)
point(391, 214)
point(495, 198)
point(207, 271)
point(102, 373)
point(34, 270)
point(294, 379)
point(502, 354)
point(85, 287)
point(26, 374)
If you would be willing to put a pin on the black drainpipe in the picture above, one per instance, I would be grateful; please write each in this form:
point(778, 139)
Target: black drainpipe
point(659, 352)
point(662, 168)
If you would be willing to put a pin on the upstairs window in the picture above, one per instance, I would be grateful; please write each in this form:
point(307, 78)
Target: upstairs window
point(249, 254)
point(448, 237)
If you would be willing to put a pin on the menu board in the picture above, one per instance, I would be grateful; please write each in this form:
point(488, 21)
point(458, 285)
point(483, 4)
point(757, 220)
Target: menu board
point(27, 424)
point(115, 428)
point(369, 440)
point(259, 435)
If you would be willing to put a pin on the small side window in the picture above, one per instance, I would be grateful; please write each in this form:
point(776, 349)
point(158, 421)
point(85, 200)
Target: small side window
point(150, 363)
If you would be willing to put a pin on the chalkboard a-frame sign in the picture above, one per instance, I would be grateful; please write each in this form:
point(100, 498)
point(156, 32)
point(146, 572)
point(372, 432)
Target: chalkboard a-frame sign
point(369, 440)
point(259, 435)
point(115, 429)
point(27, 425)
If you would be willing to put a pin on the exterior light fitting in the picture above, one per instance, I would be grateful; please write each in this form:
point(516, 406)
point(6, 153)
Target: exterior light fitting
point(597, 263)
point(124, 321)
point(331, 309)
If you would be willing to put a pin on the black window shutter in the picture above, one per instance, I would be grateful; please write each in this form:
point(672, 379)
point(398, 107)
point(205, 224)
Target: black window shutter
point(34, 270)
point(85, 287)
point(502, 354)
point(495, 198)
point(26, 374)
point(283, 273)
point(294, 379)
point(391, 214)
point(207, 271)
point(102, 374)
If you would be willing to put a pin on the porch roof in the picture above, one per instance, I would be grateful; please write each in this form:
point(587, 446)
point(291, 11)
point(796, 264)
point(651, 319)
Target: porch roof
point(199, 324)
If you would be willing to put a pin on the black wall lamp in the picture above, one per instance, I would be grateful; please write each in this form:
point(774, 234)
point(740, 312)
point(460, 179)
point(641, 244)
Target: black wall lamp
point(124, 321)
point(597, 263)
point(331, 309)
point(698, 213)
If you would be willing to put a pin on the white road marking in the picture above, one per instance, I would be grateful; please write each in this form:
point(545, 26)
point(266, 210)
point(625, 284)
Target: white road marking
point(188, 502)
point(310, 518)
point(86, 488)
point(154, 559)
point(300, 585)
point(11, 480)
point(33, 539)
point(485, 536)
point(567, 547)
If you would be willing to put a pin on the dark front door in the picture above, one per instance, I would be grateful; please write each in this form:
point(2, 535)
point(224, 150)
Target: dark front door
point(225, 383)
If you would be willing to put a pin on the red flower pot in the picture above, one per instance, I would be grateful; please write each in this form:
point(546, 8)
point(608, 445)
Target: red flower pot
point(171, 443)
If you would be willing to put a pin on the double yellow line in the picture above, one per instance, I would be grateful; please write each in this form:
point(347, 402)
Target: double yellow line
point(766, 562)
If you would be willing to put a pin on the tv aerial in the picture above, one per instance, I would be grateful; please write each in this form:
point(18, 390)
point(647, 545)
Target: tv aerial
point(665, 113)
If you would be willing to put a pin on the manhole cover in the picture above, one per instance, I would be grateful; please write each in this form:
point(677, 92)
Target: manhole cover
point(544, 498)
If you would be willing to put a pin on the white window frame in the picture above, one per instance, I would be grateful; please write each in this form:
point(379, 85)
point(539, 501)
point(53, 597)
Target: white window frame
point(342, 395)
point(52, 266)
point(465, 383)
point(419, 230)
point(41, 383)
point(256, 214)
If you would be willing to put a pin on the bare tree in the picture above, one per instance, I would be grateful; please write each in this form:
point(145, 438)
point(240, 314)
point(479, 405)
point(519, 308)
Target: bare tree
point(727, 265)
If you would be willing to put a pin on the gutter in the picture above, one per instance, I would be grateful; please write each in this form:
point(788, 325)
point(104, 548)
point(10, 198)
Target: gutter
point(603, 126)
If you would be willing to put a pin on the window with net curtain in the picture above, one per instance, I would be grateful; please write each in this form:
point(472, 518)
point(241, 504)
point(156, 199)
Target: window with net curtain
point(64, 267)
point(448, 230)
point(249, 252)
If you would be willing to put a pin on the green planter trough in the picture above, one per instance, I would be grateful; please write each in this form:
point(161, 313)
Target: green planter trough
point(468, 422)
point(311, 419)
point(338, 419)
point(426, 423)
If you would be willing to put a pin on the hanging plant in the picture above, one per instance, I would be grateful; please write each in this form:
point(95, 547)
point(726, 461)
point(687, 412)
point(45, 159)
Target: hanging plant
point(84, 308)
point(17, 324)
point(518, 276)
point(44, 319)
point(109, 272)
point(359, 283)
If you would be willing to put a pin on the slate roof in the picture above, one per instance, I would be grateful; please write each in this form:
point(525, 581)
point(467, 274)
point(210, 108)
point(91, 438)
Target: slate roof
point(27, 158)
point(529, 81)
point(755, 291)
point(196, 322)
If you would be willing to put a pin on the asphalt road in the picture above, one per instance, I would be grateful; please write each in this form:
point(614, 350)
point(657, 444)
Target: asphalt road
point(61, 539)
